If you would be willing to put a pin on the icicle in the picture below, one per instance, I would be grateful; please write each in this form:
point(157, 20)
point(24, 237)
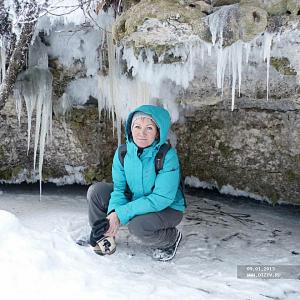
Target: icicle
point(234, 74)
point(2, 61)
point(118, 94)
point(239, 64)
point(202, 55)
point(19, 100)
point(39, 106)
point(45, 127)
point(209, 47)
point(231, 56)
point(35, 87)
point(217, 22)
point(30, 101)
point(248, 49)
point(222, 60)
point(267, 55)
point(112, 77)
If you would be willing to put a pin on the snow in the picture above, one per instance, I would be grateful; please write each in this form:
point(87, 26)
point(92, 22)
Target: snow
point(75, 176)
point(39, 258)
point(195, 182)
point(230, 190)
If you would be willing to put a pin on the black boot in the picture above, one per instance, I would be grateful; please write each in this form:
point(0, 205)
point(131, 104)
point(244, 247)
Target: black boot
point(167, 253)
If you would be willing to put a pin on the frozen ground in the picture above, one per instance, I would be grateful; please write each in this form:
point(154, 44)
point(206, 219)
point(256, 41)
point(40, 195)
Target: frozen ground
point(39, 260)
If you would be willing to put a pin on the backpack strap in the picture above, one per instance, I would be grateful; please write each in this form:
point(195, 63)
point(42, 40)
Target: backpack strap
point(121, 153)
point(122, 150)
point(160, 157)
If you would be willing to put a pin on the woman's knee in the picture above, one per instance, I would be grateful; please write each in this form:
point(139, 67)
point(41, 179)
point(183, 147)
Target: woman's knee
point(96, 190)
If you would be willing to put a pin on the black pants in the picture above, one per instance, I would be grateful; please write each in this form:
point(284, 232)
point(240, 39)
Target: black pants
point(153, 229)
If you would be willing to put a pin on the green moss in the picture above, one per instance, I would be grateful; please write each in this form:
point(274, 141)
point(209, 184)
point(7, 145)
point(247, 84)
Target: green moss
point(2, 152)
point(50, 172)
point(92, 173)
point(9, 174)
point(282, 65)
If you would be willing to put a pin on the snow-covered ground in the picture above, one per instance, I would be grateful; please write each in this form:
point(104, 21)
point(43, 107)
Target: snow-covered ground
point(39, 259)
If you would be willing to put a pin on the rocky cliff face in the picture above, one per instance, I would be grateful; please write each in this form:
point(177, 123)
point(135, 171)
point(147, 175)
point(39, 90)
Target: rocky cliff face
point(234, 99)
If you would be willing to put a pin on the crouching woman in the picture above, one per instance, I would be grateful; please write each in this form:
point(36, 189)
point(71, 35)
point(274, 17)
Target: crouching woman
point(150, 202)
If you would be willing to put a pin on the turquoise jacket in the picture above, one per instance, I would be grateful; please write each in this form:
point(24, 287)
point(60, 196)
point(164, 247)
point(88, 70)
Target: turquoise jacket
point(139, 173)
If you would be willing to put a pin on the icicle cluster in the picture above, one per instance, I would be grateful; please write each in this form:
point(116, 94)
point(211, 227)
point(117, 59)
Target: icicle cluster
point(230, 61)
point(148, 78)
point(118, 94)
point(267, 55)
point(34, 87)
point(151, 77)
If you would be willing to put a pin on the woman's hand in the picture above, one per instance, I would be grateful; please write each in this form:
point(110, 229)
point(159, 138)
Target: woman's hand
point(114, 224)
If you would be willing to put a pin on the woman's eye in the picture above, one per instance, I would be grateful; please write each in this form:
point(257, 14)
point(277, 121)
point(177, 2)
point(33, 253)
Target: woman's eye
point(137, 127)
point(149, 128)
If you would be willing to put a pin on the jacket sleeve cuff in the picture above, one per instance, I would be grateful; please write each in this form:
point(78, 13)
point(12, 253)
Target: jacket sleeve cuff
point(121, 212)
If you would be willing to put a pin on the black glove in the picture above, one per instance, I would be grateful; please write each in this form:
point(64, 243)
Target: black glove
point(98, 230)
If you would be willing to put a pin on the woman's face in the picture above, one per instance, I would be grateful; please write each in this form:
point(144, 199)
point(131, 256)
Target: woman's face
point(144, 132)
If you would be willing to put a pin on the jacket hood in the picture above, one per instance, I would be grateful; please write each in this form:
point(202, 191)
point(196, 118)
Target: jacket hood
point(160, 115)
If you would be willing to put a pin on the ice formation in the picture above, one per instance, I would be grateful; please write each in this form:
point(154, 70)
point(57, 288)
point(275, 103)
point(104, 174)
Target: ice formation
point(267, 55)
point(2, 62)
point(151, 79)
point(195, 182)
point(145, 79)
point(148, 78)
point(34, 87)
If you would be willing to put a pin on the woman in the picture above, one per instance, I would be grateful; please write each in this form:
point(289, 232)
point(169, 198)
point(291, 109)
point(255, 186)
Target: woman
point(156, 204)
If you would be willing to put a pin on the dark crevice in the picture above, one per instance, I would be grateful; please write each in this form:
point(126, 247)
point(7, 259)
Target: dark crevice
point(256, 16)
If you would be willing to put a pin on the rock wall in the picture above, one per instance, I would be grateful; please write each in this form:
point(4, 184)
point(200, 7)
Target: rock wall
point(253, 148)
point(80, 151)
